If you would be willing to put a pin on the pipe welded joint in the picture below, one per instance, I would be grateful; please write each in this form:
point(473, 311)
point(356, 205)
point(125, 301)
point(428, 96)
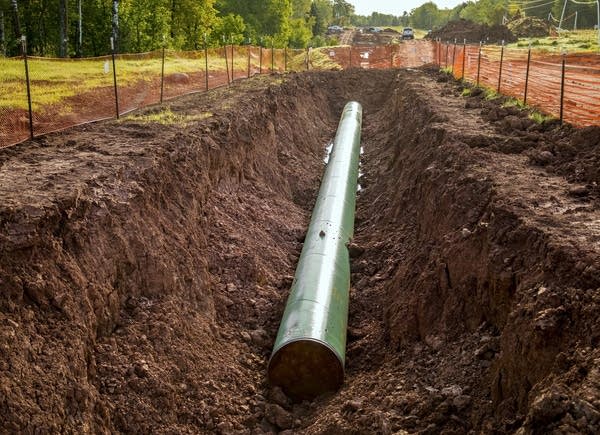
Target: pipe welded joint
point(309, 352)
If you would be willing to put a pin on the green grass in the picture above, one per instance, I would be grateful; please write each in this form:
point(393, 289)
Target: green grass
point(570, 41)
point(165, 117)
point(54, 80)
point(540, 118)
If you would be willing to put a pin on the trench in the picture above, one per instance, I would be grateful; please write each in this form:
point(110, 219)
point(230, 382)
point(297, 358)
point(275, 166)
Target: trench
point(146, 268)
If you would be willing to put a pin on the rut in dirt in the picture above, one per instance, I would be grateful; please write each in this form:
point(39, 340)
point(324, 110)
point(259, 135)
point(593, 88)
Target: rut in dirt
point(145, 265)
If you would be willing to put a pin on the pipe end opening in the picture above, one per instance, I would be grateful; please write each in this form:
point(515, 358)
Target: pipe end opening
point(305, 369)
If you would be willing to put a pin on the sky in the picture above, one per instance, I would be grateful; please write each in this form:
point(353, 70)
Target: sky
point(395, 7)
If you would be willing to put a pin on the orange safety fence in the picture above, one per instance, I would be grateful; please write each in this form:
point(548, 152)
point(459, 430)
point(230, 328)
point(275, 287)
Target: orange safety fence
point(69, 92)
point(505, 70)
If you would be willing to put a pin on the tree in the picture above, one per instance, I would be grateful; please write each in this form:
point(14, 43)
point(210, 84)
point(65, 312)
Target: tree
point(342, 12)
point(63, 24)
point(322, 12)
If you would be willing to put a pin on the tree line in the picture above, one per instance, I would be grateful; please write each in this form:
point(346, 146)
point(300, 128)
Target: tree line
point(76, 28)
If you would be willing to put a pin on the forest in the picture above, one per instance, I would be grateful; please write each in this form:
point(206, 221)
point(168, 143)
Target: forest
point(83, 28)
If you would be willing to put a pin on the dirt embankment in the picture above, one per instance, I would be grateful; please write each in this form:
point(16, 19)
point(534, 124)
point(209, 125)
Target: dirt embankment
point(461, 30)
point(145, 266)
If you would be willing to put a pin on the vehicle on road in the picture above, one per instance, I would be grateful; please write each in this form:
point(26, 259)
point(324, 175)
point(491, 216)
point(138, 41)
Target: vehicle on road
point(408, 33)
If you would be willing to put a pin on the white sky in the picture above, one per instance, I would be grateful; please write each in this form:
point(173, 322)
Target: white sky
point(395, 7)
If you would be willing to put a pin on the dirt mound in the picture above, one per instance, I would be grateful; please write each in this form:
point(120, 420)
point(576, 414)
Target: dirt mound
point(528, 27)
point(460, 30)
point(145, 264)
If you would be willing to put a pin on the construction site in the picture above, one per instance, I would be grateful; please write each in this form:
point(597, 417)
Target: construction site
point(387, 236)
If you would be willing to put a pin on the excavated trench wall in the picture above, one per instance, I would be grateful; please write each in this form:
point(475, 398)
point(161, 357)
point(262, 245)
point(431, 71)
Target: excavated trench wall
point(475, 256)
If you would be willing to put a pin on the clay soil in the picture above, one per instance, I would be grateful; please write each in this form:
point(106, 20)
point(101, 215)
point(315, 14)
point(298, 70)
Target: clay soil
point(144, 267)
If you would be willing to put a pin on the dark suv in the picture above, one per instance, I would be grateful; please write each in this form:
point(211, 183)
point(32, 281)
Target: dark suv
point(408, 33)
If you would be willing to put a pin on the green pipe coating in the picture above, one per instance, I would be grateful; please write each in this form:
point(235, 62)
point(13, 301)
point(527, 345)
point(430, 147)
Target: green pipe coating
point(309, 352)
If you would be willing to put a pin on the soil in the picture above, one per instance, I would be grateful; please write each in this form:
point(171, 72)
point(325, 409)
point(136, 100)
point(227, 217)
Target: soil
point(528, 27)
point(145, 266)
point(461, 30)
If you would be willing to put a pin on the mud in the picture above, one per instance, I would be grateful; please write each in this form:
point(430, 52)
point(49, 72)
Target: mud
point(145, 266)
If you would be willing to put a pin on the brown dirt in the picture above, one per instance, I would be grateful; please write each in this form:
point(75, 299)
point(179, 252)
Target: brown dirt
point(474, 33)
point(144, 267)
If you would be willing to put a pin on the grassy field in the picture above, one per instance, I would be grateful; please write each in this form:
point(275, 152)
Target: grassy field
point(571, 41)
point(53, 80)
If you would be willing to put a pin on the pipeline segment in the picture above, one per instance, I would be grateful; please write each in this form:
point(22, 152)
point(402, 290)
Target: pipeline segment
point(310, 348)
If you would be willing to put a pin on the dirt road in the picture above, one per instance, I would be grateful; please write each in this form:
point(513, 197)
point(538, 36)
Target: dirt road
point(145, 264)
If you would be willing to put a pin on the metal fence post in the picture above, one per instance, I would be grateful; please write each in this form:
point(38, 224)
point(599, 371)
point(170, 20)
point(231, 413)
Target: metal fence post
point(24, 50)
point(446, 59)
point(226, 60)
point(260, 57)
point(112, 49)
point(562, 86)
point(232, 55)
point(162, 75)
point(249, 48)
point(479, 63)
point(272, 56)
point(527, 74)
point(453, 55)
point(205, 63)
point(500, 71)
point(464, 57)
point(307, 58)
point(285, 59)
point(350, 56)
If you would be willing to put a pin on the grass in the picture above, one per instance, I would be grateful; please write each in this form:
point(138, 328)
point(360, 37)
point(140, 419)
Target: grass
point(54, 80)
point(165, 117)
point(570, 41)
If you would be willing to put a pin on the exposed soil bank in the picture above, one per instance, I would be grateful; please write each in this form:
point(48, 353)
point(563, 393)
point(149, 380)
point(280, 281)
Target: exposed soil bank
point(144, 267)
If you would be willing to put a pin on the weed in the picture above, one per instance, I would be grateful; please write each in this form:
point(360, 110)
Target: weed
point(166, 117)
point(539, 117)
point(466, 92)
point(514, 102)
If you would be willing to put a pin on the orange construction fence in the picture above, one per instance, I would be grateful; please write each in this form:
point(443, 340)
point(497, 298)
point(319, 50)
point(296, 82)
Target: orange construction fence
point(68, 92)
point(540, 79)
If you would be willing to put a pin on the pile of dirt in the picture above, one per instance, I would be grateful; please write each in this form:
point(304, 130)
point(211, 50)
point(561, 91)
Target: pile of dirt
point(528, 27)
point(145, 264)
point(472, 32)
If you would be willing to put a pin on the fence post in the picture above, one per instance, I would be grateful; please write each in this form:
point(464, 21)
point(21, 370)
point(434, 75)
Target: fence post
point(479, 63)
point(226, 60)
point(205, 62)
point(272, 56)
point(446, 59)
point(162, 75)
point(260, 57)
point(350, 56)
point(464, 57)
point(501, 60)
point(453, 55)
point(112, 49)
point(249, 48)
point(562, 86)
point(232, 55)
point(285, 59)
point(24, 50)
point(307, 58)
point(527, 74)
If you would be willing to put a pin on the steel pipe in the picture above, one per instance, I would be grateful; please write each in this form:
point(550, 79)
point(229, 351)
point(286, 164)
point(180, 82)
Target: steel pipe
point(309, 352)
